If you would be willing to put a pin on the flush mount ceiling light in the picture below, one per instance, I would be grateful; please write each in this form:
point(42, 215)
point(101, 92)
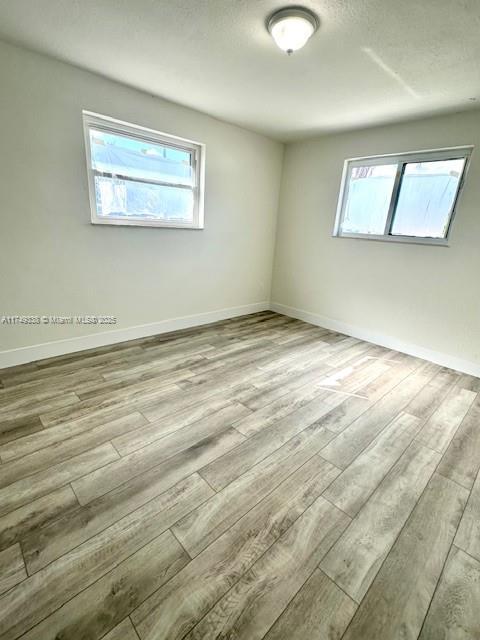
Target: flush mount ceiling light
point(291, 27)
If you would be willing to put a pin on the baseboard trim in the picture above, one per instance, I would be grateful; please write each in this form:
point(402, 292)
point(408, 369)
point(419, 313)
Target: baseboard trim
point(443, 359)
point(23, 355)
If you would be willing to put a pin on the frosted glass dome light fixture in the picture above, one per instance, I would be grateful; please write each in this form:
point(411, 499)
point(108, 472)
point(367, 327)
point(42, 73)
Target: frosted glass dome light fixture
point(292, 27)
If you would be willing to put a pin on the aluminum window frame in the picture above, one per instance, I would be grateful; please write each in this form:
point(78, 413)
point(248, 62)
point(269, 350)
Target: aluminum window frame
point(401, 160)
point(99, 122)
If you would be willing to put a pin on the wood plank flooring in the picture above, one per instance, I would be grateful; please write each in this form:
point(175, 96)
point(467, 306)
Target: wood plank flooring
point(254, 478)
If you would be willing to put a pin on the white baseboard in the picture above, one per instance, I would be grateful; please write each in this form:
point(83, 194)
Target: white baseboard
point(443, 359)
point(36, 352)
point(32, 353)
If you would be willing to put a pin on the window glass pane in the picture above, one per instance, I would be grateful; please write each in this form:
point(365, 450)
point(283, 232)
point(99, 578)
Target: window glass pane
point(142, 201)
point(136, 158)
point(427, 195)
point(369, 192)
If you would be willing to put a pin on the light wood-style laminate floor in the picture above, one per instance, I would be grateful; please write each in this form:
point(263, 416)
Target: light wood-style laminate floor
point(254, 478)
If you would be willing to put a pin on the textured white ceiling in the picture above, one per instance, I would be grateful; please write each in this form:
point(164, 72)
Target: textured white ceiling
point(371, 60)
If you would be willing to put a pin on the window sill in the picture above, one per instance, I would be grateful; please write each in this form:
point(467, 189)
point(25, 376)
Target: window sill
point(146, 223)
point(435, 242)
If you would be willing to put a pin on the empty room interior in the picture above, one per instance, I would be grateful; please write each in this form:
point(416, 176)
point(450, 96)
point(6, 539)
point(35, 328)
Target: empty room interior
point(239, 320)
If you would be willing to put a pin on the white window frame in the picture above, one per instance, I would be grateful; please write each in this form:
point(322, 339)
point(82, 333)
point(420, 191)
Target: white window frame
point(401, 159)
point(197, 150)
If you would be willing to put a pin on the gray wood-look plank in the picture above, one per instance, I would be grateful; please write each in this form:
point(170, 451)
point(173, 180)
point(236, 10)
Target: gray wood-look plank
point(356, 558)
point(12, 567)
point(92, 407)
point(176, 608)
point(442, 426)
point(319, 610)
point(233, 464)
point(266, 440)
point(469, 382)
point(123, 631)
point(461, 461)
point(468, 534)
point(48, 543)
point(343, 450)
point(351, 490)
point(206, 523)
point(48, 457)
point(105, 603)
point(50, 587)
point(271, 413)
point(28, 407)
point(454, 613)
point(16, 428)
point(253, 604)
point(19, 523)
point(431, 396)
point(39, 484)
point(50, 438)
point(396, 604)
point(111, 475)
point(134, 440)
point(253, 478)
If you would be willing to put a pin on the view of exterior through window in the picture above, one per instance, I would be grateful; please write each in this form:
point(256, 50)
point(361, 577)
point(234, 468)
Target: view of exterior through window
point(406, 197)
point(141, 177)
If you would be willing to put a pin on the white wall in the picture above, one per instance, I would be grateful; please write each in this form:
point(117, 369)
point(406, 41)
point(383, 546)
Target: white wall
point(53, 261)
point(425, 299)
